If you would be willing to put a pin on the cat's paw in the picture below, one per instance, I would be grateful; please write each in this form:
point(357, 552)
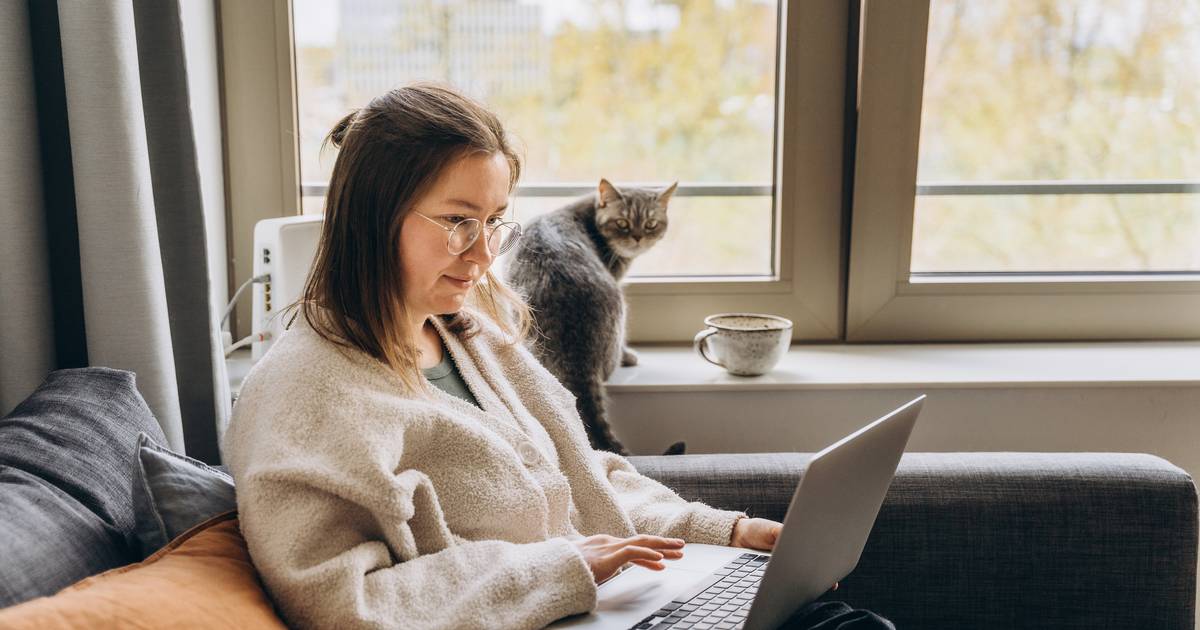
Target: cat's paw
point(629, 358)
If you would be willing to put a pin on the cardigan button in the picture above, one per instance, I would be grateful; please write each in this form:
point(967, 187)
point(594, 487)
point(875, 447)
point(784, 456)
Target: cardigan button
point(529, 453)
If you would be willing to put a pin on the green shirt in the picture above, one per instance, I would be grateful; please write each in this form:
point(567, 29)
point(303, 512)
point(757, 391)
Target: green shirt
point(445, 376)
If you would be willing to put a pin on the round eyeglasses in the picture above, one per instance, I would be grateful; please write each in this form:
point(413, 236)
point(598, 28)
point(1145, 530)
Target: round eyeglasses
point(500, 236)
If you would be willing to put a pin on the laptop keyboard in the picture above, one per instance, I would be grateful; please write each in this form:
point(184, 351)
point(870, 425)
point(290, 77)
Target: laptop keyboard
point(719, 603)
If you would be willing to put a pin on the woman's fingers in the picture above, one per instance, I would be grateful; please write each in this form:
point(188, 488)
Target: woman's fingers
point(654, 542)
point(658, 541)
point(644, 550)
point(606, 554)
point(634, 552)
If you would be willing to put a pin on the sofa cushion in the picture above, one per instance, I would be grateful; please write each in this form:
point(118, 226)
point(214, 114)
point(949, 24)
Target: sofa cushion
point(66, 480)
point(202, 579)
point(995, 540)
point(172, 493)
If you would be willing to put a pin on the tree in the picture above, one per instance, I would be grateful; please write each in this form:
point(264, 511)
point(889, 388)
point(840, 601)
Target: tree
point(1051, 90)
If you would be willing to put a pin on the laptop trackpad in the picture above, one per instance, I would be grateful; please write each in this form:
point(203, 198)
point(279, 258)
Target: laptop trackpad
point(629, 597)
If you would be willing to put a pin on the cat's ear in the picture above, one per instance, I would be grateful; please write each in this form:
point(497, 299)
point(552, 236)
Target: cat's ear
point(608, 192)
point(665, 196)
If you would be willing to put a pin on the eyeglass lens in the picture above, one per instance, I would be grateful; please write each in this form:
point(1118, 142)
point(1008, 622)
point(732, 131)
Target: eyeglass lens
point(500, 238)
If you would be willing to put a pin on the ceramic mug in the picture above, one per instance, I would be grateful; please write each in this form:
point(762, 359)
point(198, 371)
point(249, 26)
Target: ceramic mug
point(745, 344)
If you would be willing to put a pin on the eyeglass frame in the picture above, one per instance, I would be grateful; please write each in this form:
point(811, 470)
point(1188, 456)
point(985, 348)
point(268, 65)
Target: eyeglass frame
point(516, 228)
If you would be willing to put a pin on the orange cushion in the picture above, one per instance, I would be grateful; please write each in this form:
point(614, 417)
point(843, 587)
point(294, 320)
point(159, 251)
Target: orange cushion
point(202, 579)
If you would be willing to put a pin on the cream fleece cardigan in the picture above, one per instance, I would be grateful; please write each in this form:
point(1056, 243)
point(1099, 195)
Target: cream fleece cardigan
point(366, 508)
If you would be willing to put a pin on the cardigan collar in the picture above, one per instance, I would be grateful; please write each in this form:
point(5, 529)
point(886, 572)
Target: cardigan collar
point(498, 411)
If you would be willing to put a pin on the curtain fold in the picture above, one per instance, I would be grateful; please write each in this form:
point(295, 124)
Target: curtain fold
point(27, 327)
point(179, 211)
point(117, 167)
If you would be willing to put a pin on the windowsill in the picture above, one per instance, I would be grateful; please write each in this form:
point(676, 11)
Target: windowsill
point(927, 366)
point(892, 366)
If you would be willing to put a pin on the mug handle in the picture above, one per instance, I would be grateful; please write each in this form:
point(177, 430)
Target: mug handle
point(698, 344)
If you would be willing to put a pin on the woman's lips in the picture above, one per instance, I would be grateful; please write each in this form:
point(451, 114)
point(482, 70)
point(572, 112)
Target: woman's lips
point(459, 282)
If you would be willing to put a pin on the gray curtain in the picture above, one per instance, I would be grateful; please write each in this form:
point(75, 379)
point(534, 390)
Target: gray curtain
point(102, 236)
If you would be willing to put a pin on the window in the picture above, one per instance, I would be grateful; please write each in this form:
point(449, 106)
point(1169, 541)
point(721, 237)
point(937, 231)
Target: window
point(1017, 171)
point(741, 101)
point(1079, 118)
point(634, 92)
point(1027, 170)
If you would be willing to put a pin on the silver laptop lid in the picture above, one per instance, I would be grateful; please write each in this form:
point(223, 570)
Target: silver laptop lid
point(831, 515)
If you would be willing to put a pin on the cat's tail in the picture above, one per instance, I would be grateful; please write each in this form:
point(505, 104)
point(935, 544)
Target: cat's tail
point(593, 408)
point(678, 448)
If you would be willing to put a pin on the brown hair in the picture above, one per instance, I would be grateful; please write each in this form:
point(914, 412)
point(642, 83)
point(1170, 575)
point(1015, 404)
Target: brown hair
point(391, 153)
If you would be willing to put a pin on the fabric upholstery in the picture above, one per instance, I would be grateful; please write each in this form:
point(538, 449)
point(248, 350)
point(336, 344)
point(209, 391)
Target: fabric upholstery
point(996, 540)
point(48, 540)
point(66, 478)
point(203, 579)
point(173, 493)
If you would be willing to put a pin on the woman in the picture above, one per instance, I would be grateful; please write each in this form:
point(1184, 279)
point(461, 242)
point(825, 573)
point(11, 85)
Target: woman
point(401, 459)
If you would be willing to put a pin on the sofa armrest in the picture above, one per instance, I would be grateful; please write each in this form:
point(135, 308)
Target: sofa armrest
point(996, 540)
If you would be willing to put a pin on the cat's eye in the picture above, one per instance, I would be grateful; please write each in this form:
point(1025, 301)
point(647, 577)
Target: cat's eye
point(651, 225)
point(623, 224)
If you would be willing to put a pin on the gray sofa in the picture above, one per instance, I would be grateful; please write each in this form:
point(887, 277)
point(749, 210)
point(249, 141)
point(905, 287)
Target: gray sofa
point(964, 540)
point(997, 540)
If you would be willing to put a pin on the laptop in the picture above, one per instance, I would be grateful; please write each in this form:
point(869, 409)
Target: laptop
point(824, 532)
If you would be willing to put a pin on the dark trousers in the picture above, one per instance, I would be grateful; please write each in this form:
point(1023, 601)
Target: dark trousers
point(827, 615)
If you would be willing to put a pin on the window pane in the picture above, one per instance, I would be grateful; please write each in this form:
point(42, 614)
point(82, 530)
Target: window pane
point(1054, 90)
point(1057, 233)
point(717, 236)
point(634, 91)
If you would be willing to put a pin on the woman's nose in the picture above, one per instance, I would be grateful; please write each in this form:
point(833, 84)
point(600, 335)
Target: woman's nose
point(479, 253)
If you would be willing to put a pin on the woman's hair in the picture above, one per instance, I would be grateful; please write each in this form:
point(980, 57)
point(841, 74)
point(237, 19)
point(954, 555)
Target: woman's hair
point(390, 154)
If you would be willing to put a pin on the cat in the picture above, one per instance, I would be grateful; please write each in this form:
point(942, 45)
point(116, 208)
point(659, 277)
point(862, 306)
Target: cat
point(568, 265)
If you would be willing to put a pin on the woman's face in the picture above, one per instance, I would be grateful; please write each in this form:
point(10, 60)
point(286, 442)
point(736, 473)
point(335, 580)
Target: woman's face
point(436, 282)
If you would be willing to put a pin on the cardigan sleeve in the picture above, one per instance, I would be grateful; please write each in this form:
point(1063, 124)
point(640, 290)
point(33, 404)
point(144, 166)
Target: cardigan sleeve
point(658, 510)
point(346, 531)
point(334, 556)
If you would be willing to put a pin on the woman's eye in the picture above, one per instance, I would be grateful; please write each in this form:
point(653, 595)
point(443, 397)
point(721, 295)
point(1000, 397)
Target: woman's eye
point(623, 224)
point(454, 219)
point(494, 221)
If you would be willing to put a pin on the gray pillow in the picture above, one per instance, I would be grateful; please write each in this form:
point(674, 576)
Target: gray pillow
point(173, 493)
point(65, 477)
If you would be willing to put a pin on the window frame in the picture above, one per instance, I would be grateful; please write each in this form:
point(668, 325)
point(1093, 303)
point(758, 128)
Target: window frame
point(262, 162)
point(885, 302)
point(259, 140)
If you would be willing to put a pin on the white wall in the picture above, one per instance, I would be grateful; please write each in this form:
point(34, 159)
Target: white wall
point(1164, 421)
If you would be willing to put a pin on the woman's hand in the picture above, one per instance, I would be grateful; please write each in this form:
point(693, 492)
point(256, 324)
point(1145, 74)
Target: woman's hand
point(758, 533)
point(605, 554)
point(755, 533)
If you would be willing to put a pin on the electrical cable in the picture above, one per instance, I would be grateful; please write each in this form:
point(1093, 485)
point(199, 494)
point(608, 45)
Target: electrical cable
point(247, 340)
point(266, 277)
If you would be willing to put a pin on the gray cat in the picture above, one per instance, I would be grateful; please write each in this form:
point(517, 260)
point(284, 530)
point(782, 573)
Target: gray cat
point(568, 264)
